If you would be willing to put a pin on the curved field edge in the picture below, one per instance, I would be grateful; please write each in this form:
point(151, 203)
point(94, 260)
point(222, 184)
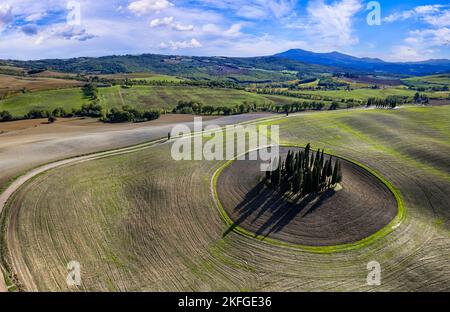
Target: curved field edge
point(4, 210)
point(394, 224)
point(415, 248)
point(5, 205)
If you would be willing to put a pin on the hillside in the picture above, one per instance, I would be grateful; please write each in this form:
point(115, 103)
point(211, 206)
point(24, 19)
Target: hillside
point(254, 69)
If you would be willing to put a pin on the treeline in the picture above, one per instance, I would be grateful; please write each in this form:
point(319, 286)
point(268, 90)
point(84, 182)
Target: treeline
point(128, 83)
point(421, 98)
point(198, 108)
point(93, 110)
point(305, 96)
point(435, 88)
point(389, 102)
point(6, 116)
point(305, 172)
point(129, 114)
point(331, 84)
point(86, 110)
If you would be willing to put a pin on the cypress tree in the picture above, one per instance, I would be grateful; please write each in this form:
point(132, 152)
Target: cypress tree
point(317, 160)
point(279, 176)
point(335, 173)
point(307, 183)
point(288, 163)
point(307, 149)
point(323, 178)
point(330, 167)
point(317, 179)
point(305, 172)
point(339, 172)
point(297, 163)
point(300, 161)
point(297, 183)
point(322, 155)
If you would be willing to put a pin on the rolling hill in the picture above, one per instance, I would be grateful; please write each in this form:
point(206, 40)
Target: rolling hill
point(256, 69)
point(280, 67)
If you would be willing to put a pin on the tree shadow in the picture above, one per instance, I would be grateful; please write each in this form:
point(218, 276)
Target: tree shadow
point(262, 199)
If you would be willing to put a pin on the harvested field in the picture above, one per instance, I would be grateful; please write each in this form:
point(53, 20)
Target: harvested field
point(362, 207)
point(28, 143)
point(142, 221)
point(11, 85)
point(142, 76)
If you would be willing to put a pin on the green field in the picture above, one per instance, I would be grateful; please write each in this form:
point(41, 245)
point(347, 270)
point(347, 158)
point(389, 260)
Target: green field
point(436, 79)
point(428, 81)
point(167, 97)
point(142, 97)
point(44, 100)
point(141, 229)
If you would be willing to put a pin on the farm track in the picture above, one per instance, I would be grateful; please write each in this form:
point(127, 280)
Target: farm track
point(141, 221)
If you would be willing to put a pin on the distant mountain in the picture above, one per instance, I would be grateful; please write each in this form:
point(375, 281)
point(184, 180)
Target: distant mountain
point(349, 62)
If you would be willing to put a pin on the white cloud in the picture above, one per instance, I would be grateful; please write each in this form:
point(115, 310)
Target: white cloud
point(332, 24)
point(420, 44)
point(166, 21)
point(405, 53)
point(430, 37)
point(142, 7)
point(439, 20)
point(177, 45)
point(169, 22)
point(436, 15)
point(58, 32)
point(6, 15)
point(233, 31)
point(182, 27)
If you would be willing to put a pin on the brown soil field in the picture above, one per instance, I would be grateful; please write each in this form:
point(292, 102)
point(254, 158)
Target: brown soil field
point(363, 206)
point(376, 80)
point(29, 143)
point(439, 102)
point(35, 126)
point(53, 74)
point(10, 85)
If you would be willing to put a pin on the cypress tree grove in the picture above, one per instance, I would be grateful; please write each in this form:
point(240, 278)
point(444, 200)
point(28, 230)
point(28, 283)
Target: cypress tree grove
point(305, 172)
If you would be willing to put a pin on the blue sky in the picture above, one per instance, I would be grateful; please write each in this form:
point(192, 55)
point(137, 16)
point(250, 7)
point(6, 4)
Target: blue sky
point(410, 30)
